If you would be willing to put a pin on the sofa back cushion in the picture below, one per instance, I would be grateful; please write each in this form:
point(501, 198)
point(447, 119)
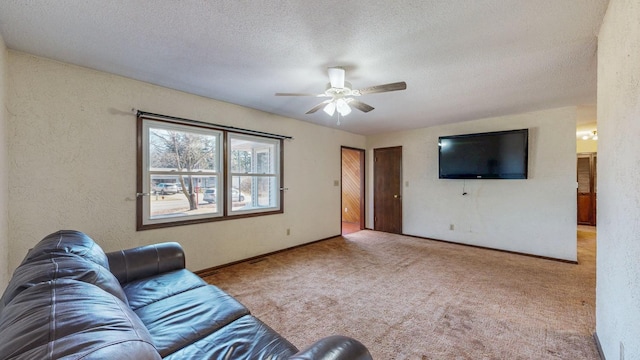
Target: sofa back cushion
point(66, 317)
point(61, 267)
point(64, 254)
point(68, 242)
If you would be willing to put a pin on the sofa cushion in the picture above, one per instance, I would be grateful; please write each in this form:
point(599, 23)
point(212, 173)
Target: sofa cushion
point(61, 267)
point(151, 289)
point(68, 242)
point(245, 338)
point(74, 319)
point(178, 320)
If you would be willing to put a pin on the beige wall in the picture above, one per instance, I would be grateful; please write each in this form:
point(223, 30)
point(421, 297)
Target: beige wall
point(4, 171)
point(534, 216)
point(618, 270)
point(72, 146)
point(586, 146)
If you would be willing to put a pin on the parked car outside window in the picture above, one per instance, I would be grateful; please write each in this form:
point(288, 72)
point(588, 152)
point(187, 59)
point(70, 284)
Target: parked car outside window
point(210, 195)
point(236, 195)
point(165, 188)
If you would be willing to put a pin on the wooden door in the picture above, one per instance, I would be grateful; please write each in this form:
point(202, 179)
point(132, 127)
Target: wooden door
point(587, 188)
point(387, 189)
point(353, 186)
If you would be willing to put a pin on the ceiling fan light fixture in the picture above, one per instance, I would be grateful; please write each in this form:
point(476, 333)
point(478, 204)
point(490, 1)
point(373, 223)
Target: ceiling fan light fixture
point(330, 109)
point(593, 135)
point(342, 107)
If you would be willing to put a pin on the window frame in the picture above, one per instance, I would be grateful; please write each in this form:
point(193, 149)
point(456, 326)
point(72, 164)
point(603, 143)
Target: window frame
point(230, 174)
point(223, 173)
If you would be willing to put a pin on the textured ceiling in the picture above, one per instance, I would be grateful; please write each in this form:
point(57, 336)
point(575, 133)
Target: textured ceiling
point(461, 59)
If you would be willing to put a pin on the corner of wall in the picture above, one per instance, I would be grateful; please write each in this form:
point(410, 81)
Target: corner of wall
point(618, 269)
point(4, 177)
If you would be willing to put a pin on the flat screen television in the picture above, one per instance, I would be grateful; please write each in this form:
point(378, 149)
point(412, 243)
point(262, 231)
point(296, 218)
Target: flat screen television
point(491, 155)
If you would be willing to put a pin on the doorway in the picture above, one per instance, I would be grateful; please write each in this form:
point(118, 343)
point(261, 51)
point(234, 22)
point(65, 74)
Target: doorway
point(352, 190)
point(387, 189)
point(587, 188)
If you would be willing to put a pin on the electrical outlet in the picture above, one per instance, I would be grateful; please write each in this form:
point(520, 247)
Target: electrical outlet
point(451, 227)
point(288, 231)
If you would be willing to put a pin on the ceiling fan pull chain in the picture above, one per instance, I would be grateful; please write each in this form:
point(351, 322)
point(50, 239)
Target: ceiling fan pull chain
point(338, 119)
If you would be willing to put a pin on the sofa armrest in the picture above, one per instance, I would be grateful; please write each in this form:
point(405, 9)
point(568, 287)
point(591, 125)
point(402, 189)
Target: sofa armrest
point(334, 348)
point(144, 261)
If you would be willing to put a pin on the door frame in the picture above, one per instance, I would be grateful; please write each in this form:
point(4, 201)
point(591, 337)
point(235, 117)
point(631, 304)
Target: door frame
point(362, 157)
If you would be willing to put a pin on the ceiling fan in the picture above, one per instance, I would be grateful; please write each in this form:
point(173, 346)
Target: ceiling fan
point(342, 95)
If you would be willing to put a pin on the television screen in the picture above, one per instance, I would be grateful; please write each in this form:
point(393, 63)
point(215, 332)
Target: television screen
point(492, 155)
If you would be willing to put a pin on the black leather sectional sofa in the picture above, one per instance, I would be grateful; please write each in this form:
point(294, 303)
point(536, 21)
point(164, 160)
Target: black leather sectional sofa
point(68, 299)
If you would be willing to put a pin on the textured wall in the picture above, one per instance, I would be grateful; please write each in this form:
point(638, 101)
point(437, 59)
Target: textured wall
point(534, 216)
point(618, 272)
point(73, 164)
point(4, 171)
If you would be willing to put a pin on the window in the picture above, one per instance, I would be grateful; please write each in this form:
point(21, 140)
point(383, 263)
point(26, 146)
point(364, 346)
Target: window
point(182, 179)
point(255, 184)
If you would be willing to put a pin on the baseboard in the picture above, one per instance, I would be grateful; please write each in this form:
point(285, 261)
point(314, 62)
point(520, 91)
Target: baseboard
point(213, 270)
point(494, 249)
point(488, 248)
point(600, 352)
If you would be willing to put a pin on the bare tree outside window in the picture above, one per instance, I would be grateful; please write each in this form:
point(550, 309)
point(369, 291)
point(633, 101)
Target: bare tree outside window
point(183, 151)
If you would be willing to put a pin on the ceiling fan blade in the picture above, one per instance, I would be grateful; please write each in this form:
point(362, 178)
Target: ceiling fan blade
point(336, 77)
point(318, 107)
point(361, 106)
point(384, 88)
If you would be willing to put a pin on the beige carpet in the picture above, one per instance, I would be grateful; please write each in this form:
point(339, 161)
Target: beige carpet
point(408, 298)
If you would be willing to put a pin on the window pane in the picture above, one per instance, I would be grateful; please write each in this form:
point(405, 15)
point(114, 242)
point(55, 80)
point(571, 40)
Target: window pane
point(250, 193)
point(267, 191)
point(253, 156)
point(171, 149)
point(240, 160)
point(171, 198)
point(240, 192)
point(264, 161)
